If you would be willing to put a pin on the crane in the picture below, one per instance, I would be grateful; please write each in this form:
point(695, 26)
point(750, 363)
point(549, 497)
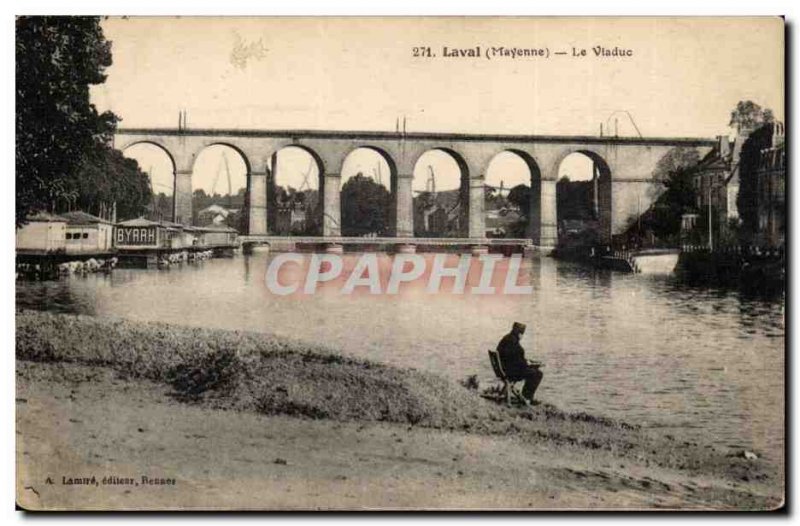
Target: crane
point(430, 184)
point(223, 162)
point(377, 175)
point(305, 185)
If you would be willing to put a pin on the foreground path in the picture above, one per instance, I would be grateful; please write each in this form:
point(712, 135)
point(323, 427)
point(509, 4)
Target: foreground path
point(76, 421)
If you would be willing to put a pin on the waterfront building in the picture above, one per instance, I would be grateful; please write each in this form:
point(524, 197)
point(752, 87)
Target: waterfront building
point(189, 235)
point(44, 232)
point(177, 236)
point(88, 234)
point(216, 236)
point(771, 191)
point(716, 182)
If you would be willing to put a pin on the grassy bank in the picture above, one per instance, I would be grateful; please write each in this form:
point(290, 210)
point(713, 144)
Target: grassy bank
point(275, 376)
point(247, 371)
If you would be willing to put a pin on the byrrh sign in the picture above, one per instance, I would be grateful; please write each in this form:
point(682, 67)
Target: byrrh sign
point(139, 235)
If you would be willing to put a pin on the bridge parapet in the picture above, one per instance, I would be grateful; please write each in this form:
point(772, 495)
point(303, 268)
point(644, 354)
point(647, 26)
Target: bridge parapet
point(424, 241)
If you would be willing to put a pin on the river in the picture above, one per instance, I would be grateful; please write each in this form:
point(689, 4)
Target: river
point(704, 362)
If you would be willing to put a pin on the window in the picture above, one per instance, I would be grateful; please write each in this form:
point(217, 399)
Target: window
point(86, 235)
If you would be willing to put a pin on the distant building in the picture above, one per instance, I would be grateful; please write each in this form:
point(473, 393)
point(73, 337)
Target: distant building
point(215, 215)
point(88, 234)
point(291, 218)
point(216, 236)
point(44, 232)
point(434, 219)
point(499, 222)
point(438, 214)
point(716, 182)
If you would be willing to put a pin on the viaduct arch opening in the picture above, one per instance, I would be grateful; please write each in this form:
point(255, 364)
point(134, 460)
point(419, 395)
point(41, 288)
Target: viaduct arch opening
point(159, 165)
point(220, 174)
point(441, 199)
point(583, 200)
point(368, 193)
point(295, 190)
point(512, 193)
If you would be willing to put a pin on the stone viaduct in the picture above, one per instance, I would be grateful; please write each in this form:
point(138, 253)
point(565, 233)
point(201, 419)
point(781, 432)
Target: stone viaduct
point(626, 167)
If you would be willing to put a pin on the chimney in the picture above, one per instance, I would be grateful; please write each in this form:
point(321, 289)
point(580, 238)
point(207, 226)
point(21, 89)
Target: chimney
point(778, 134)
point(724, 146)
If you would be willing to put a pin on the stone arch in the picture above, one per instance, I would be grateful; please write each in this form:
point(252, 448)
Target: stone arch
point(392, 207)
point(152, 143)
point(456, 217)
point(230, 145)
point(380, 151)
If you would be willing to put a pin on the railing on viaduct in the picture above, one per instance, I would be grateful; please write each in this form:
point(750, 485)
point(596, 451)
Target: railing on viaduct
point(347, 240)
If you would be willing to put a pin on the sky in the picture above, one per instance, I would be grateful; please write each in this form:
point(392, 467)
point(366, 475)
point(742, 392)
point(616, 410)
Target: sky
point(683, 79)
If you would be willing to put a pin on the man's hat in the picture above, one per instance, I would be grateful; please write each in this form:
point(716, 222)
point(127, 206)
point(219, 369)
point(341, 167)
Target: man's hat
point(519, 326)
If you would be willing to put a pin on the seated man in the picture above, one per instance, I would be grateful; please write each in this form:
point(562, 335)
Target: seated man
point(516, 367)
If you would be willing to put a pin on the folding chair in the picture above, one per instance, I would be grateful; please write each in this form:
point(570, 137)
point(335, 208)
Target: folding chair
point(508, 385)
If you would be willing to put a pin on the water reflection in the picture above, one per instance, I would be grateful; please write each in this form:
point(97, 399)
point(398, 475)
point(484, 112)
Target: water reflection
point(650, 350)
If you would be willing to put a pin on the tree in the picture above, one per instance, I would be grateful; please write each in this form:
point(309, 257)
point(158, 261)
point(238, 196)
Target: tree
point(679, 197)
point(574, 199)
point(520, 197)
point(58, 131)
point(162, 206)
point(747, 116)
point(675, 160)
point(365, 206)
point(106, 179)
point(313, 206)
point(747, 200)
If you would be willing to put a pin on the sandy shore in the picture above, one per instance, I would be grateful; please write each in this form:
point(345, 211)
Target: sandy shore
point(80, 420)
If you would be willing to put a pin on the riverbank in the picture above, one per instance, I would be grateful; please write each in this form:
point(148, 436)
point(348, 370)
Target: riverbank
point(762, 272)
point(248, 420)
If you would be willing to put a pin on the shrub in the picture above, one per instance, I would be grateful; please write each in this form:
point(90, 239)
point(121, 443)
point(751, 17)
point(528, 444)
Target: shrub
point(216, 370)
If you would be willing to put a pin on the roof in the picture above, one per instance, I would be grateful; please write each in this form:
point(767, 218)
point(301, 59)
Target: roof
point(79, 217)
point(713, 161)
point(139, 221)
point(215, 209)
point(45, 217)
point(216, 228)
point(172, 225)
point(713, 164)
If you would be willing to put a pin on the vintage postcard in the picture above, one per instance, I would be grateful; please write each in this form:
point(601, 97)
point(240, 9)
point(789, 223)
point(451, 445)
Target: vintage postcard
point(400, 263)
